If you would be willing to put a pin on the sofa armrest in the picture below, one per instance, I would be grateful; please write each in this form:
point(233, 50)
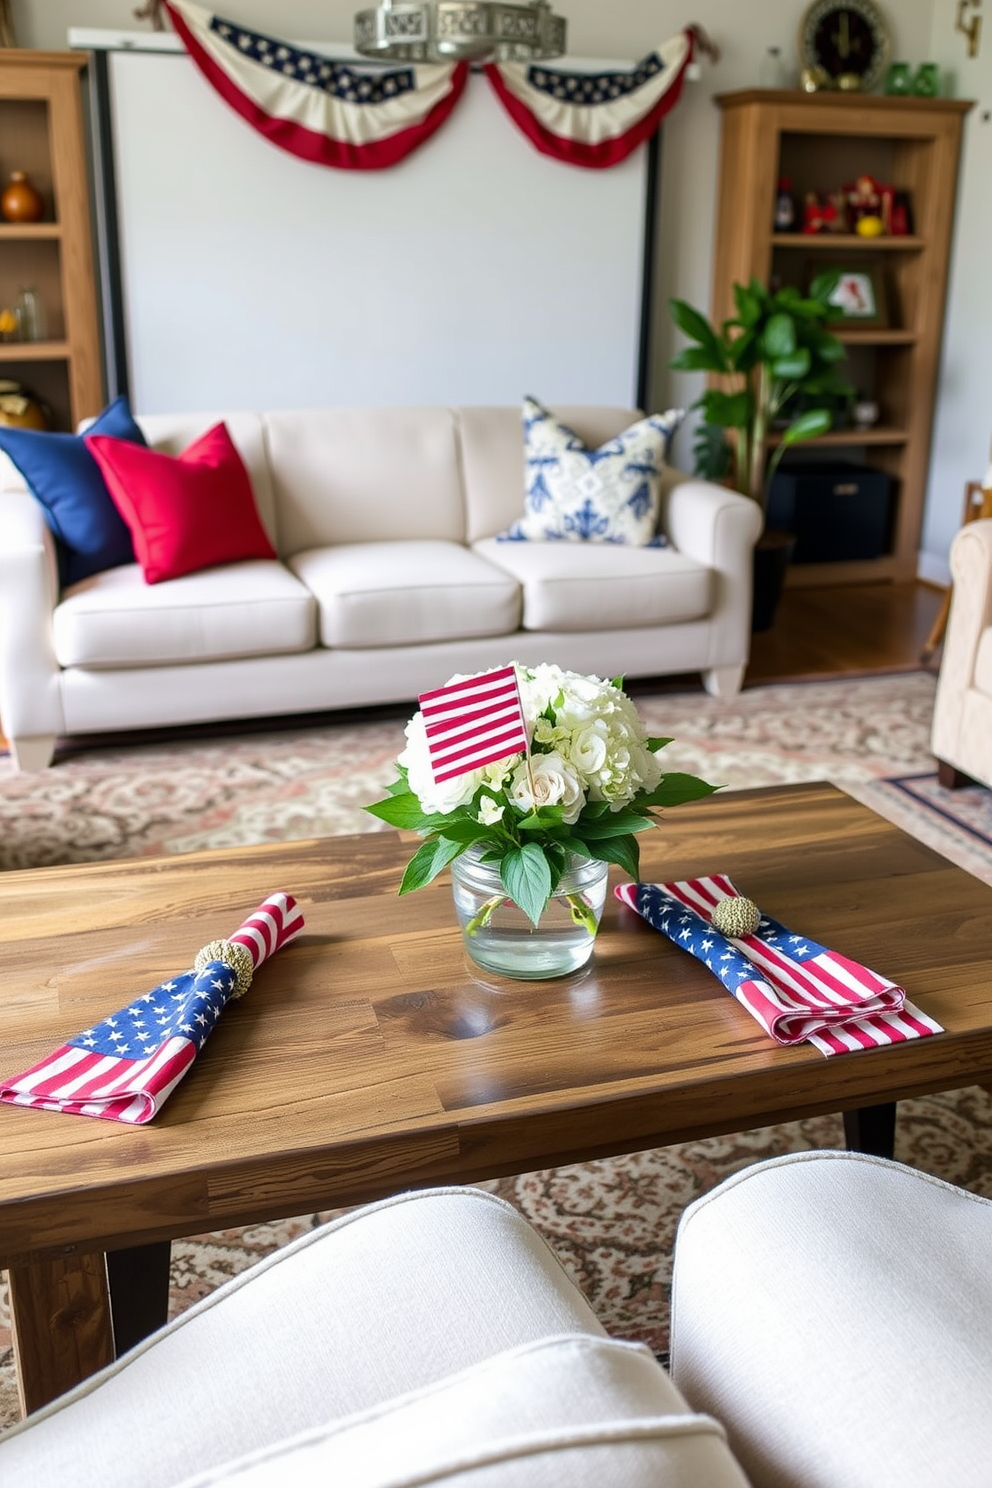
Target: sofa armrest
point(970, 616)
point(719, 528)
point(30, 695)
point(710, 523)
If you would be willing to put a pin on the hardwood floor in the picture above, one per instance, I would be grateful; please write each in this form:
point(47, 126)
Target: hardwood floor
point(846, 630)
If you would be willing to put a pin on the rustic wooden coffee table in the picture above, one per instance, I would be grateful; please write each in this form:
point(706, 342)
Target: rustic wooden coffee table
point(368, 1057)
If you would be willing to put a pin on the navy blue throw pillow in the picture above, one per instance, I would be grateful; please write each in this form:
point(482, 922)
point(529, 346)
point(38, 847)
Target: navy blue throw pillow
point(62, 474)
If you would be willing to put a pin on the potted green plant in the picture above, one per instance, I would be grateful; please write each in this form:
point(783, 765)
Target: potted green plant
point(777, 361)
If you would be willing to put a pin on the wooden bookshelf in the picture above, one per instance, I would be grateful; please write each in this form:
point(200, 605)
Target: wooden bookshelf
point(820, 141)
point(41, 133)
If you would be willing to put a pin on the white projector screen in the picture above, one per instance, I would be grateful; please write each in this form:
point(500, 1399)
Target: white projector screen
point(475, 271)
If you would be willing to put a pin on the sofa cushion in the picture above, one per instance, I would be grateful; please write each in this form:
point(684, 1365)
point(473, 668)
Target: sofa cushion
point(63, 476)
point(576, 494)
point(579, 1410)
point(115, 619)
point(171, 433)
point(186, 512)
point(354, 475)
point(492, 449)
point(404, 593)
point(573, 586)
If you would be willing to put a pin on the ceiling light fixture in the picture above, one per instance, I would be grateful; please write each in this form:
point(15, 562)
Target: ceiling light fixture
point(460, 31)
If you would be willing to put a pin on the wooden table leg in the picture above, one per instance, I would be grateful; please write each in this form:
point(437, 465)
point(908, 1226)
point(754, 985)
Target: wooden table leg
point(139, 1292)
point(60, 1318)
point(871, 1129)
point(73, 1316)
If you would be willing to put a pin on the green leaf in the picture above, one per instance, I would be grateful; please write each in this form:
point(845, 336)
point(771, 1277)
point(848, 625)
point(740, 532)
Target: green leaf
point(615, 824)
point(624, 851)
point(527, 879)
point(793, 367)
point(808, 425)
point(711, 452)
point(744, 351)
point(697, 328)
point(461, 830)
point(729, 410)
point(749, 301)
point(402, 811)
point(427, 862)
point(677, 788)
point(655, 744)
point(697, 359)
point(779, 336)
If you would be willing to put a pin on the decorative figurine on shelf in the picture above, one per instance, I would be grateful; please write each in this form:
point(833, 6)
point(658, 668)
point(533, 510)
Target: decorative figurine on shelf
point(901, 225)
point(19, 408)
point(839, 221)
point(785, 207)
point(865, 413)
point(813, 220)
point(20, 202)
point(864, 199)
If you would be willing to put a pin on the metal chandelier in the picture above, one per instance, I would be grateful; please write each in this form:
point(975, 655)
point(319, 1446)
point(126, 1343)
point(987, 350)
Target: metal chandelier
point(460, 31)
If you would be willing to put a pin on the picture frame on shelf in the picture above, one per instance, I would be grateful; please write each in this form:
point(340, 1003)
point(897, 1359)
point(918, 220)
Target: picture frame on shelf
point(856, 290)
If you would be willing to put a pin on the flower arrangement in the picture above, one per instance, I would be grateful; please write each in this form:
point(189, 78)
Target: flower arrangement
point(590, 781)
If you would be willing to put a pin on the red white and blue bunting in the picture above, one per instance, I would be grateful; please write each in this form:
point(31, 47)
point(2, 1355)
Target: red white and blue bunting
point(364, 117)
point(593, 119)
point(330, 113)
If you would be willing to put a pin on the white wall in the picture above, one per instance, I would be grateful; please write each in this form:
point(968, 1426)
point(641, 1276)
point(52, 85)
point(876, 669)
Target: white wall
point(963, 426)
point(631, 28)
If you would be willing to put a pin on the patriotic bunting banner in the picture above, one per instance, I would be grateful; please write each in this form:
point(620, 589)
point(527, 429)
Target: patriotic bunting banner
point(793, 987)
point(473, 723)
point(364, 117)
point(593, 119)
point(330, 113)
point(126, 1066)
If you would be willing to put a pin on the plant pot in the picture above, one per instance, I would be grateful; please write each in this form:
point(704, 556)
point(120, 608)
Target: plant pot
point(772, 555)
point(498, 935)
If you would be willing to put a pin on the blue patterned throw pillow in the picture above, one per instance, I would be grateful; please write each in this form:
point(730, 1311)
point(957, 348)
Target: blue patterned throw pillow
point(607, 495)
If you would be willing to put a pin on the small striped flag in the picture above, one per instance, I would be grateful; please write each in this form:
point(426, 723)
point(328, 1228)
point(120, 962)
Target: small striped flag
point(126, 1066)
point(795, 988)
point(473, 722)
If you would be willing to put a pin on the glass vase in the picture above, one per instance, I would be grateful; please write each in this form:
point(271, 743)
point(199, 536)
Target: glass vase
point(498, 935)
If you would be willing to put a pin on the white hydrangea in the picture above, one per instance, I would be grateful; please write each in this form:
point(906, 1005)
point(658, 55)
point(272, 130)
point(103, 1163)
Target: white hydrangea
point(588, 743)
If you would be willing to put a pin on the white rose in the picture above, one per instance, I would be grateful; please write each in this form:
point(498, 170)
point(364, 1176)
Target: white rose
point(588, 749)
point(554, 784)
point(443, 798)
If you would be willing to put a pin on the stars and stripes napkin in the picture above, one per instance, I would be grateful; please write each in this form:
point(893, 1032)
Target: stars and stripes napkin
point(795, 988)
point(126, 1066)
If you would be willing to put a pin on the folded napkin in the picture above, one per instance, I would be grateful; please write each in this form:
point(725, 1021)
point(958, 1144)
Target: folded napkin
point(795, 988)
point(126, 1067)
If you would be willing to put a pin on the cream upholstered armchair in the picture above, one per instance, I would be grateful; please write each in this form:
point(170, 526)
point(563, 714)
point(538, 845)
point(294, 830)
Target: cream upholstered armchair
point(962, 715)
point(830, 1329)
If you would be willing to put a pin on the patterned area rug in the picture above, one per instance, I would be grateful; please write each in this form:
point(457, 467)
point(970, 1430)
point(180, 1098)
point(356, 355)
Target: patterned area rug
point(612, 1222)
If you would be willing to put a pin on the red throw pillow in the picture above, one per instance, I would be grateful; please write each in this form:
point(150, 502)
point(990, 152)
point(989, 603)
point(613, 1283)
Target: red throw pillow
point(187, 512)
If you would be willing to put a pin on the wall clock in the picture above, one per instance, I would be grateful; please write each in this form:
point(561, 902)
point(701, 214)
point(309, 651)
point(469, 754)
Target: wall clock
point(846, 38)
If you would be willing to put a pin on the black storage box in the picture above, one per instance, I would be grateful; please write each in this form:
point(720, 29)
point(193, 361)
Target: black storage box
point(836, 511)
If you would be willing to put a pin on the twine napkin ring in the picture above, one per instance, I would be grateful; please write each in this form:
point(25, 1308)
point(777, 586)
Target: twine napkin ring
point(233, 954)
point(736, 917)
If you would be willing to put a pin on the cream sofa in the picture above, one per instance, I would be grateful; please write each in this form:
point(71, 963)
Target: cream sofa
point(390, 579)
point(962, 716)
point(830, 1329)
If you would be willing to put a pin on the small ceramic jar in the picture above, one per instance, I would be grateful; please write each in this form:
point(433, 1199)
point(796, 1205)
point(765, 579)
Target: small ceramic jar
point(19, 201)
